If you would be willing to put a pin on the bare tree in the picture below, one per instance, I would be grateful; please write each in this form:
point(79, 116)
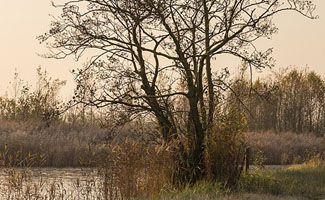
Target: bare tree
point(150, 55)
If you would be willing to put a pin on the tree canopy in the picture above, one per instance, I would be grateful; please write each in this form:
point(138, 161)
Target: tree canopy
point(159, 56)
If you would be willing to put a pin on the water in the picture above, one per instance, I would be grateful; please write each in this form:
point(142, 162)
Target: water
point(18, 183)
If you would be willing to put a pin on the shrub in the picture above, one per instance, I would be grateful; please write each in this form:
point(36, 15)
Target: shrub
point(225, 150)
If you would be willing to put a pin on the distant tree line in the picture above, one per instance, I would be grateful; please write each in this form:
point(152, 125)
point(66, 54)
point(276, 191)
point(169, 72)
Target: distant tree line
point(40, 105)
point(290, 101)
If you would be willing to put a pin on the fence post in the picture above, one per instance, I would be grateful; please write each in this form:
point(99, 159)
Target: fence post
point(247, 158)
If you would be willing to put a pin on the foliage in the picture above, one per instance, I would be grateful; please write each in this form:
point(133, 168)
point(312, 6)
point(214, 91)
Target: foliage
point(130, 168)
point(225, 149)
point(135, 170)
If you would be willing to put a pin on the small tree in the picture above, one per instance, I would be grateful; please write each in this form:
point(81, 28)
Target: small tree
point(150, 55)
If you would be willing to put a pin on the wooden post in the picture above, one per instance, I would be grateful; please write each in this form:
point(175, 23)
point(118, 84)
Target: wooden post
point(247, 158)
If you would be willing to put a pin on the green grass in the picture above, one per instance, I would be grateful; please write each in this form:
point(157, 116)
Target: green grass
point(203, 190)
point(303, 182)
point(308, 182)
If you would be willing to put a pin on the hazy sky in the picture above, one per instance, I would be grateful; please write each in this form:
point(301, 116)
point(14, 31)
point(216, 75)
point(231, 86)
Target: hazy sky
point(300, 42)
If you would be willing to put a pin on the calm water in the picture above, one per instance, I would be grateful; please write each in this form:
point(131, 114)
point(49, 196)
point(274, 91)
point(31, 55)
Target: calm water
point(50, 184)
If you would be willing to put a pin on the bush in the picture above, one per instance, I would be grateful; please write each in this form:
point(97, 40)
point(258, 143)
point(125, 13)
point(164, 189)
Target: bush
point(134, 169)
point(225, 150)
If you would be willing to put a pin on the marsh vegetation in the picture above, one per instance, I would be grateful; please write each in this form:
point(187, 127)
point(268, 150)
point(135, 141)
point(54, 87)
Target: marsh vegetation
point(83, 153)
point(152, 117)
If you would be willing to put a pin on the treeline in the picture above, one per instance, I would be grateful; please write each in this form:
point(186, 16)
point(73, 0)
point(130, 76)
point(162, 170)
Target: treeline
point(289, 101)
point(42, 105)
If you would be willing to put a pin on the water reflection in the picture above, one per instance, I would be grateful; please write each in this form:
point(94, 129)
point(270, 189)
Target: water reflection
point(18, 183)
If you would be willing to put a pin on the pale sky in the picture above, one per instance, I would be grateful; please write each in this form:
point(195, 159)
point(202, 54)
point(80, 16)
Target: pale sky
point(300, 42)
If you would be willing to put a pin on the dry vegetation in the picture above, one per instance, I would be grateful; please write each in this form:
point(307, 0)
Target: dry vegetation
point(284, 148)
point(123, 168)
point(152, 117)
point(70, 146)
point(300, 182)
point(24, 144)
point(130, 161)
point(138, 169)
point(130, 169)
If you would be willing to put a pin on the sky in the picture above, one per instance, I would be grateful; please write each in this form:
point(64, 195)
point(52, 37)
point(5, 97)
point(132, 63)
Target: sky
point(299, 43)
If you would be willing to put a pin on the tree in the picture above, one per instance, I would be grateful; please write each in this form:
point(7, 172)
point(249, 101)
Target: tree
point(150, 55)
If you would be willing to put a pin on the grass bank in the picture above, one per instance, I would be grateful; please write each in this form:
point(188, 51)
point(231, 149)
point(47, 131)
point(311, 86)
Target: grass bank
point(306, 181)
point(303, 182)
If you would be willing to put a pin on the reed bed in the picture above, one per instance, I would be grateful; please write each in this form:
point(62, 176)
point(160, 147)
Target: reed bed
point(288, 148)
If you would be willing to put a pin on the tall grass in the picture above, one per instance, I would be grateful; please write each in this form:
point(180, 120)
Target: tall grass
point(305, 181)
point(121, 176)
point(27, 184)
point(143, 168)
point(125, 168)
point(60, 145)
point(64, 145)
point(136, 170)
point(284, 148)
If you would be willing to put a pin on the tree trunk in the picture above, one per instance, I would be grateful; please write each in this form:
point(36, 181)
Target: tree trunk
point(196, 136)
point(190, 164)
